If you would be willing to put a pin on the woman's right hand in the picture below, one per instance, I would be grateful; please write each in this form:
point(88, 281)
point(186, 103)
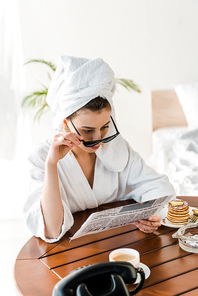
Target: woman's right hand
point(62, 143)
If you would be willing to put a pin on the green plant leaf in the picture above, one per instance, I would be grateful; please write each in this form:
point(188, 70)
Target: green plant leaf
point(52, 66)
point(128, 84)
point(34, 99)
point(41, 110)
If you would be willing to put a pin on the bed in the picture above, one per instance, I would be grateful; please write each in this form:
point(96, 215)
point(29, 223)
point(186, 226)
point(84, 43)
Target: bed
point(175, 136)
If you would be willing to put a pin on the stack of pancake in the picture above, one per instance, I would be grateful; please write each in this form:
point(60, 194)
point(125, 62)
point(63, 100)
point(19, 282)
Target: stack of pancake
point(178, 212)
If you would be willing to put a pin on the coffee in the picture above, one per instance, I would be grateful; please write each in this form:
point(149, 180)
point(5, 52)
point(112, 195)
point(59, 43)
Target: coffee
point(125, 254)
point(123, 257)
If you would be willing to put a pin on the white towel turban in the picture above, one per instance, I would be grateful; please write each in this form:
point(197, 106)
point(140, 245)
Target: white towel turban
point(76, 82)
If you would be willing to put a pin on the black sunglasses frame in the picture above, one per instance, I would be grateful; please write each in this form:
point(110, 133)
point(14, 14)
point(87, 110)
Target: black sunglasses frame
point(96, 142)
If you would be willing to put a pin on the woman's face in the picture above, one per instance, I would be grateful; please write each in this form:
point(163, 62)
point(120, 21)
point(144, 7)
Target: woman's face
point(91, 126)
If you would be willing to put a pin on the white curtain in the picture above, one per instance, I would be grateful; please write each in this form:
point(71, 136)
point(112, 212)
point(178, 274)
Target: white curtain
point(14, 126)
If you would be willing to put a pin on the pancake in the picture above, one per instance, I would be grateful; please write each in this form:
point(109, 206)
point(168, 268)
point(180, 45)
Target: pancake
point(178, 212)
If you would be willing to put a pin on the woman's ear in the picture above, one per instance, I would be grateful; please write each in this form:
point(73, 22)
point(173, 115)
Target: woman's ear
point(65, 122)
point(65, 126)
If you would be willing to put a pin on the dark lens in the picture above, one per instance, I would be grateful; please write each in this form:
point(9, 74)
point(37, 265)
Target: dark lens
point(91, 143)
point(94, 143)
point(109, 138)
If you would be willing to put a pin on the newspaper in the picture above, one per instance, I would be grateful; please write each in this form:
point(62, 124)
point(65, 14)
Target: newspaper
point(120, 216)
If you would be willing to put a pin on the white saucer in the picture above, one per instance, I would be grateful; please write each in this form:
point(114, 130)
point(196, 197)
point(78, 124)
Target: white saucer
point(146, 271)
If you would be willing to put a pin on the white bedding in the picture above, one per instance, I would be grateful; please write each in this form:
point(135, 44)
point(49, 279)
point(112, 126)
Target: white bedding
point(175, 153)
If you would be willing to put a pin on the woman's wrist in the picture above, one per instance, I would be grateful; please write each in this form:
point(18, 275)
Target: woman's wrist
point(50, 164)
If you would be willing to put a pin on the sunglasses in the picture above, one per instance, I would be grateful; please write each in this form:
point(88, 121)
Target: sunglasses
point(96, 142)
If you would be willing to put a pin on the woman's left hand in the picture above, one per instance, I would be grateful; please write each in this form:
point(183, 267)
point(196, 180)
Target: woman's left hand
point(150, 225)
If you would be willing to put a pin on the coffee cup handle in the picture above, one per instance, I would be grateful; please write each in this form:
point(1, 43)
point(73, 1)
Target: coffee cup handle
point(141, 283)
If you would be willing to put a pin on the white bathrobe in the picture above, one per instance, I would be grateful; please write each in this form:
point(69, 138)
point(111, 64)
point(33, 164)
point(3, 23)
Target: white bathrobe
point(117, 176)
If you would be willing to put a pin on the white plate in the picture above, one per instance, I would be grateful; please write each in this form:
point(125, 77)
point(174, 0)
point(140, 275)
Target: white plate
point(165, 222)
point(146, 271)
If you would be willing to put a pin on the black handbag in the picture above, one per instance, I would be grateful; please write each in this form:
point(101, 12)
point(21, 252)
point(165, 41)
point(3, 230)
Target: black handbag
point(101, 279)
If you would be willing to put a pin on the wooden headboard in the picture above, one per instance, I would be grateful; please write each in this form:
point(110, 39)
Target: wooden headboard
point(166, 109)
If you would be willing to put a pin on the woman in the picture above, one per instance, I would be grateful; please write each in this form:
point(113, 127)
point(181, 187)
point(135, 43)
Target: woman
point(87, 163)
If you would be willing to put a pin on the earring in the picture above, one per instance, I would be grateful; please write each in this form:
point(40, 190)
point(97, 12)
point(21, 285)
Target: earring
point(66, 129)
point(102, 145)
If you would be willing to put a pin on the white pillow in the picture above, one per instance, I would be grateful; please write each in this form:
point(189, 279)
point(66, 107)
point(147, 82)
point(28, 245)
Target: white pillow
point(190, 135)
point(188, 97)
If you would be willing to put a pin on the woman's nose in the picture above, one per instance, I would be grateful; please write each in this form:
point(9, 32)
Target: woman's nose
point(97, 135)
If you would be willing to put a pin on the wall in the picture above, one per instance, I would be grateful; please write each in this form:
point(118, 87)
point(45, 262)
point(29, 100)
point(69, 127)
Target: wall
point(153, 42)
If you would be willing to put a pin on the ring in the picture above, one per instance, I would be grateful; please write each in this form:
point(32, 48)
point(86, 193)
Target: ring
point(151, 223)
point(145, 229)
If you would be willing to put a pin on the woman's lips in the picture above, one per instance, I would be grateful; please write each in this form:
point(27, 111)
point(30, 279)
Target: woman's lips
point(95, 147)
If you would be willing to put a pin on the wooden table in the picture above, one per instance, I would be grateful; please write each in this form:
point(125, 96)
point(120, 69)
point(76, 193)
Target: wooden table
point(39, 265)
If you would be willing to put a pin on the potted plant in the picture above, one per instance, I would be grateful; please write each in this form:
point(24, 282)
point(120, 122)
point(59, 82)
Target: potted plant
point(37, 99)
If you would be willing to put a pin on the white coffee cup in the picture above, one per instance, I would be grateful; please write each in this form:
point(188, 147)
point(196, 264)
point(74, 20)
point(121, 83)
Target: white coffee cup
point(125, 254)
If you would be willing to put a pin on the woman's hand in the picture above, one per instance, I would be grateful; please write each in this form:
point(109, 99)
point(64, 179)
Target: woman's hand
point(150, 225)
point(62, 143)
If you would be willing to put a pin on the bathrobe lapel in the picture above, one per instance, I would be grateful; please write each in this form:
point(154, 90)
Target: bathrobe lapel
point(80, 186)
point(105, 185)
point(82, 195)
point(109, 162)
